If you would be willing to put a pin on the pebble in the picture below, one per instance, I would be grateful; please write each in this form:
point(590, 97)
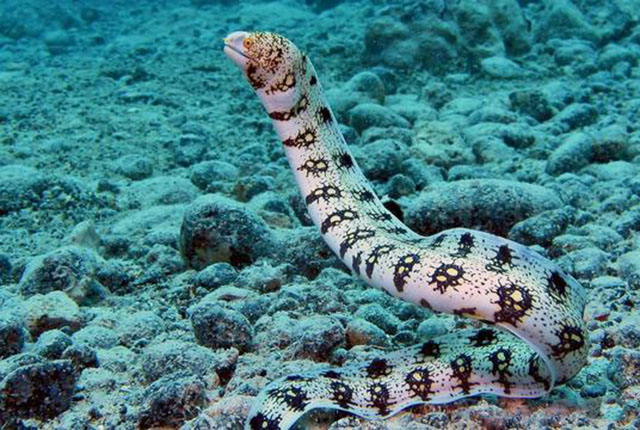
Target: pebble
point(172, 356)
point(42, 391)
point(55, 310)
point(376, 314)
point(400, 185)
point(305, 250)
point(162, 260)
point(216, 275)
point(492, 205)
point(52, 344)
point(96, 336)
point(5, 268)
point(629, 268)
point(159, 190)
point(20, 187)
point(611, 143)
point(501, 68)
point(316, 336)
point(576, 115)
point(247, 188)
point(213, 175)
point(140, 328)
point(12, 335)
point(362, 332)
point(135, 167)
point(369, 84)
point(437, 94)
point(216, 327)
point(574, 51)
point(563, 20)
point(613, 54)
point(59, 42)
point(71, 269)
point(81, 356)
point(542, 228)
point(368, 115)
point(264, 278)
point(217, 229)
point(381, 159)
point(441, 143)
point(492, 114)
point(408, 106)
point(585, 263)
point(623, 367)
point(575, 152)
point(172, 400)
point(628, 222)
point(532, 102)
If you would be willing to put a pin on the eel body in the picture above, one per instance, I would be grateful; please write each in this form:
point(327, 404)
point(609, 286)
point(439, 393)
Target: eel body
point(534, 336)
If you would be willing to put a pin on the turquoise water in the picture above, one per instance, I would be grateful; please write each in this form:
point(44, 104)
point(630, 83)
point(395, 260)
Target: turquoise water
point(158, 267)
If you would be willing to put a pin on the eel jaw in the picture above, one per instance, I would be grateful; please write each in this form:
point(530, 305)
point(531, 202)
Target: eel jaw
point(235, 51)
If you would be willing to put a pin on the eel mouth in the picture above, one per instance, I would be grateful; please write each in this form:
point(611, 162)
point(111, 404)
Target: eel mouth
point(233, 49)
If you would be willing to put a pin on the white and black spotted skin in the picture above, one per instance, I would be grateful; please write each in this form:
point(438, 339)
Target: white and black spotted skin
point(464, 272)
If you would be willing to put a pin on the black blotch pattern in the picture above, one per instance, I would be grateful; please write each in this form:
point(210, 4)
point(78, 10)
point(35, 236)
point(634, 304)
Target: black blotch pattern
point(425, 304)
point(341, 393)
point(379, 216)
point(461, 312)
point(393, 207)
point(313, 80)
point(344, 160)
point(304, 139)
point(325, 193)
point(514, 301)
point(294, 397)
point(314, 166)
point(500, 361)
point(395, 230)
point(465, 245)
point(365, 196)
point(301, 106)
point(372, 259)
point(295, 378)
point(380, 397)
point(356, 261)
point(324, 114)
point(378, 368)
point(403, 269)
point(336, 218)
point(331, 374)
point(354, 237)
point(447, 275)
point(461, 367)
point(557, 287)
point(261, 422)
point(282, 116)
point(288, 82)
point(430, 349)
point(437, 241)
point(502, 260)
point(483, 337)
point(534, 372)
point(571, 339)
point(255, 80)
point(420, 383)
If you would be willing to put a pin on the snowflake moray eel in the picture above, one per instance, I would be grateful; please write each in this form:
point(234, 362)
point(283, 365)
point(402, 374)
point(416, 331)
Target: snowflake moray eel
point(534, 336)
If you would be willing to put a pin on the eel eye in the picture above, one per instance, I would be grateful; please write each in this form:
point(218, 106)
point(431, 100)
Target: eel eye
point(247, 43)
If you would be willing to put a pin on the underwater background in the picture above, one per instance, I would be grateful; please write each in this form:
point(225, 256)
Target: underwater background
point(158, 267)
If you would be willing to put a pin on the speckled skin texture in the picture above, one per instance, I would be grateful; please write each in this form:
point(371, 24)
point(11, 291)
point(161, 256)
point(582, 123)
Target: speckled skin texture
point(535, 337)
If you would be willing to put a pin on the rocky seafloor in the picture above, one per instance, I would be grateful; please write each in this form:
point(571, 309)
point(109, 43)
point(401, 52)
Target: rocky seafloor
point(158, 268)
